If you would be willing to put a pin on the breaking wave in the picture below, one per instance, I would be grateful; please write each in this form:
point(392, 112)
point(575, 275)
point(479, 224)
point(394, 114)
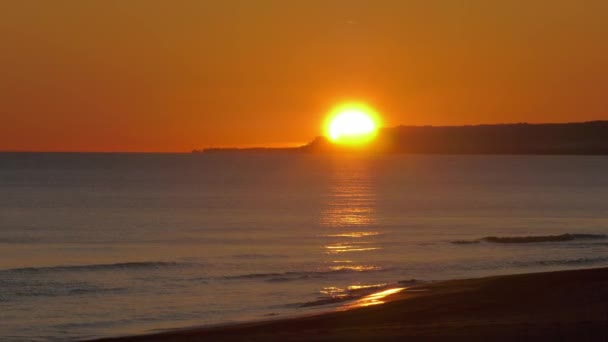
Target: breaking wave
point(465, 242)
point(562, 262)
point(66, 290)
point(99, 267)
point(334, 295)
point(291, 276)
point(259, 256)
point(532, 239)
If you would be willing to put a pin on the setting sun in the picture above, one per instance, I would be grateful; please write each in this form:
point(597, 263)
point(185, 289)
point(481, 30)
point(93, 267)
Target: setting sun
point(352, 124)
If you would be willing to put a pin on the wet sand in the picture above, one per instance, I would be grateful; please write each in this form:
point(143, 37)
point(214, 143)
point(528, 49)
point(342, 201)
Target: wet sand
point(554, 306)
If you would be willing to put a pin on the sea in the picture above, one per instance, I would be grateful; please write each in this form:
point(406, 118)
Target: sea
point(108, 244)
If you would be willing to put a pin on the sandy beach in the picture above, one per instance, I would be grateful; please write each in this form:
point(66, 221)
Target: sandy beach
point(552, 306)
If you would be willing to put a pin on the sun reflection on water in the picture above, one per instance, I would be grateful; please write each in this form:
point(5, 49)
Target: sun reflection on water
point(345, 249)
point(374, 298)
point(350, 202)
point(362, 287)
point(352, 291)
point(353, 234)
point(358, 268)
point(349, 216)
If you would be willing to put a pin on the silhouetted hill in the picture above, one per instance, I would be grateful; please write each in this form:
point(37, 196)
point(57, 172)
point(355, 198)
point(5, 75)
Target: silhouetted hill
point(568, 138)
point(523, 138)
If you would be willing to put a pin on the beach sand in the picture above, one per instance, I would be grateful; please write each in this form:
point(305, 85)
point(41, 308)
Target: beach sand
point(553, 306)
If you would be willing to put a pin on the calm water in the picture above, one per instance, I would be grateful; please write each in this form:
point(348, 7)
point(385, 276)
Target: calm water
point(107, 244)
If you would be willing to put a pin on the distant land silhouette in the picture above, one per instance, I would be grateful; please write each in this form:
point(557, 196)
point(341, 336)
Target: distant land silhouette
point(522, 138)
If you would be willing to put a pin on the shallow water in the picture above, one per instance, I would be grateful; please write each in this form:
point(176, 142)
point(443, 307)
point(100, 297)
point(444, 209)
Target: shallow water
point(108, 244)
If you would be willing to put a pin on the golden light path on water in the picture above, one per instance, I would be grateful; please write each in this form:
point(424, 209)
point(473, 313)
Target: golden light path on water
point(353, 234)
point(373, 299)
point(349, 210)
point(359, 268)
point(349, 215)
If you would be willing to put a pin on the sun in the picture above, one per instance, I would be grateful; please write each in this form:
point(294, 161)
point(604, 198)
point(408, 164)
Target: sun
point(352, 124)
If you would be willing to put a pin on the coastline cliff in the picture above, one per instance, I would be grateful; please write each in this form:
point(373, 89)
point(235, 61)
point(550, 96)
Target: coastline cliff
point(584, 138)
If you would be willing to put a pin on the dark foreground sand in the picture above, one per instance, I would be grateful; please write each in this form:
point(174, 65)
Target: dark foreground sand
point(556, 306)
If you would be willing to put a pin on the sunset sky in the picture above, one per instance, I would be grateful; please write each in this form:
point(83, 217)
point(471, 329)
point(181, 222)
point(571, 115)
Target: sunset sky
point(151, 75)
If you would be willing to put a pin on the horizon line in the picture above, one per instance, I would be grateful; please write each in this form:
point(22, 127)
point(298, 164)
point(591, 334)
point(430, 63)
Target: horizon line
point(285, 145)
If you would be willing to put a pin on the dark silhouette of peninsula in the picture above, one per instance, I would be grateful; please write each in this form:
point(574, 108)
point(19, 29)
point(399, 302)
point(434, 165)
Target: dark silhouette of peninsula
point(589, 138)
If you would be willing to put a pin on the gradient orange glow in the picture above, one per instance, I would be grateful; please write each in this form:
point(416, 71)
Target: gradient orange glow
point(156, 75)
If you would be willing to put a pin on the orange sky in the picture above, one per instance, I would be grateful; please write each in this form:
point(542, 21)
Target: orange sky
point(150, 75)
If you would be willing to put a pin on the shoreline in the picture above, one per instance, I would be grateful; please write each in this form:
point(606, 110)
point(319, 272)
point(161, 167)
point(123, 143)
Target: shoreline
point(548, 306)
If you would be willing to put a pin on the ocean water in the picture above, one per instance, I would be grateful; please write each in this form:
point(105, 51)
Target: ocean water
point(95, 245)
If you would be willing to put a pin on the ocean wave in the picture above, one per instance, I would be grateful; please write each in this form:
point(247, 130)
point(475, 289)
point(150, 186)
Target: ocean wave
point(337, 294)
point(17, 240)
point(562, 262)
point(542, 238)
point(259, 256)
point(66, 290)
point(99, 267)
point(409, 282)
point(465, 242)
point(254, 275)
point(325, 301)
point(290, 276)
point(532, 238)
